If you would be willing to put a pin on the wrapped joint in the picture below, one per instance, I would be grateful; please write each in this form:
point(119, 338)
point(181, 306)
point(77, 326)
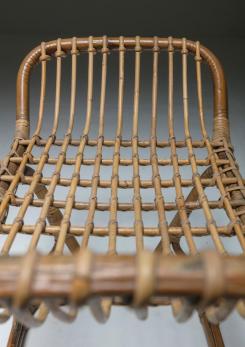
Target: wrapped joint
point(81, 282)
point(30, 195)
point(113, 222)
point(105, 48)
point(121, 44)
point(214, 178)
point(158, 198)
point(50, 196)
point(185, 223)
point(19, 220)
point(194, 176)
point(153, 137)
point(42, 222)
point(176, 175)
point(233, 223)
point(74, 50)
point(210, 222)
point(12, 197)
point(85, 137)
point(214, 284)
point(53, 137)
point(198, 55)
point(138, 47)
point(113, 199)
point(45, 155)
point(62, 153)
point(44, 56)
point(191, 156)
point(156, 176)
point(91, 48)
point(37, 173)
point(163, 223)
point(137, 197)
point(4, 168)
point(170, 44)
point(22, 127)
point(66, 221)
point(68, 134)
point(156, 47)
point(145, 278)
point(138, 222)
point(57, 175)
point(116, 154)
point(202, 198)
point(59, 52)
point(154, 156)
point(37, 138)
point(76, 175)
point(184, 47)
point(29, 157)
point(222, 198)
point(180, 202)
point(118, 137)
point(116, 176)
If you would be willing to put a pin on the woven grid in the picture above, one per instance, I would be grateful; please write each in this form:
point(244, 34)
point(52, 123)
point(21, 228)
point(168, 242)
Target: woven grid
point(23, 168)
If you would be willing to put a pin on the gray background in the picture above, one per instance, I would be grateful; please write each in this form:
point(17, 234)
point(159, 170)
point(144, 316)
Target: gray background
point(220, 26)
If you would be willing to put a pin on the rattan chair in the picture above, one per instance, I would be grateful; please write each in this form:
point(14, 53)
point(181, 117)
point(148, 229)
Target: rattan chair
point(211, 281)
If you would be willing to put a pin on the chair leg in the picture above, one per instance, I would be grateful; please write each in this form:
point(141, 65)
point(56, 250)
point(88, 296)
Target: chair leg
point(17, 335)
point(212, 332)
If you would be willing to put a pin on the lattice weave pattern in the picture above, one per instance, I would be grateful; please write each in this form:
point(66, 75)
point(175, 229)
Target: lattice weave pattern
point(23, 168)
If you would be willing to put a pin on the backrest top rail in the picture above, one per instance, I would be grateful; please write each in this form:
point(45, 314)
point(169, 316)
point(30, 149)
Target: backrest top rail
point(221, 125)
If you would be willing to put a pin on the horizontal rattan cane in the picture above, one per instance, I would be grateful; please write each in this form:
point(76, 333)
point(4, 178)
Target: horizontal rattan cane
point(69, 273)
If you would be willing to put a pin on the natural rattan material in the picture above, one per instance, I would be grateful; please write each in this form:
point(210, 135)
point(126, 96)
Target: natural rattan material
point(212, 282)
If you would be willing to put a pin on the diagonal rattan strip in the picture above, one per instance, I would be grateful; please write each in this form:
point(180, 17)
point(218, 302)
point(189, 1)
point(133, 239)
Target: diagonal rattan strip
point(89, 224)
point(226, 201)
point(113, 223)
point(18, 176)
point(138, 222)
point(156, 179)
point(79, 156)
point(196, 176)
point(180, 202)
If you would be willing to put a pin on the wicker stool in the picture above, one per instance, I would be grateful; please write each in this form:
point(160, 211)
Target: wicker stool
point(211, 281)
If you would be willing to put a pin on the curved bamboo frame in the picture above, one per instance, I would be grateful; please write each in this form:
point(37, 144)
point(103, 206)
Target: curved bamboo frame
point(198, 281)
point(221, 124)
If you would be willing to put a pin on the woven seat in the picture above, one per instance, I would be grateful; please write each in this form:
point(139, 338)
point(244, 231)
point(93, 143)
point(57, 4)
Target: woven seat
point(48, 196)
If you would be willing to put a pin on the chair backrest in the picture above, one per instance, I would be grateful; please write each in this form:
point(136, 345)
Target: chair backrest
point(104, 45)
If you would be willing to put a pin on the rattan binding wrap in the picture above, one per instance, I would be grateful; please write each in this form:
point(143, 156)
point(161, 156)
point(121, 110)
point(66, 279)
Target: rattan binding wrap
point(213, 282)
